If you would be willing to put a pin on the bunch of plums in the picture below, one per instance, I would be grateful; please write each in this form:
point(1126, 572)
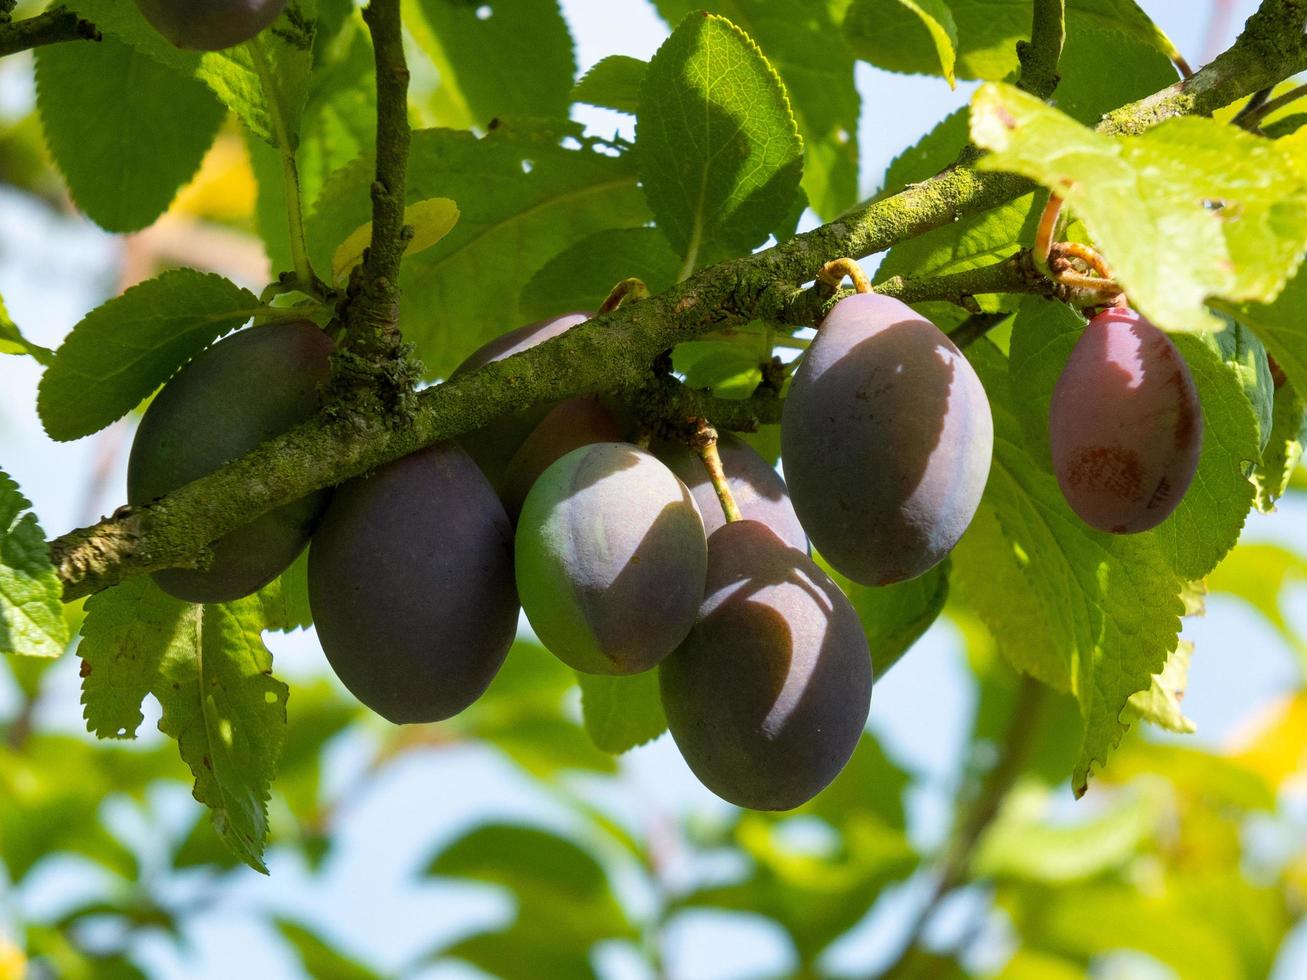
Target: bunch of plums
point(620, 556)
point(210, 25)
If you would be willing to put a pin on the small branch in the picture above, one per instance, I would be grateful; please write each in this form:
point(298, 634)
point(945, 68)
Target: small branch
point(51, 27)
point(704, 443)
point(373, 309)
point(979, 814)
point(974, 327)
point(1252, 118)
point(1040, 55)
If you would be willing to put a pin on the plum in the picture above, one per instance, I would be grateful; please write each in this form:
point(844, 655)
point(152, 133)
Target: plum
point(611, 557)
point(411, 585)
point(886, 441)
point(1125, 425)
point(236, 394)
point(768, 695)
point(569, 425)
point(494, 445)
point(759, 490)
point(210, 25)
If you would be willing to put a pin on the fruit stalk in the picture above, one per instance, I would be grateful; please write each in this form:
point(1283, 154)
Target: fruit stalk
point(704, 442)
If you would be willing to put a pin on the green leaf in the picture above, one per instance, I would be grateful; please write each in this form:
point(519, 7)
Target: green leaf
point(1237, 202)
point(896, 616)
point(1259, 574)
point(582, 275)
point(726, 369)
point(1207, 522)
point(513, 219)
point(123, 350)
point(503, 57)
point(231, 74)
point(622, 712)
point(1282, 326)
point(318, 957)
point(13, 342)
point(801, 39)
point(127, 633)
point(564, 902)
point(285, 600)
point(125, 132)
point(1283, 449)
point(988, 32)
point(1160, 704)
point(266, 81)
point(613, 83)
point(228, 715)
point(1024, 844)
point(431, 220)
point(31, 609)
point(1081, 610)
point(720, 154)
point(914, 36)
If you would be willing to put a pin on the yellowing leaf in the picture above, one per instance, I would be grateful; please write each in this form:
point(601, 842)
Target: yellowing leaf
point(1190, 210)
point(431, 221)
point(1274, 744)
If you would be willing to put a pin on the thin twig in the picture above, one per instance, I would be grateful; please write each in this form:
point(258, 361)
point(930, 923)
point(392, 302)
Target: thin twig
point(52, 27)
point(1252, 118)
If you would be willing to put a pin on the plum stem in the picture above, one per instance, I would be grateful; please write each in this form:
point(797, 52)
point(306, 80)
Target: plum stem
point(834, 271)
point(628, 289)
point(1046, 233)
point(704, 442)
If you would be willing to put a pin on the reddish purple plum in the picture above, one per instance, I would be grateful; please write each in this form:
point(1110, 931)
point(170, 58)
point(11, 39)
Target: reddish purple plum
point(1125, 425)
point(210, 25)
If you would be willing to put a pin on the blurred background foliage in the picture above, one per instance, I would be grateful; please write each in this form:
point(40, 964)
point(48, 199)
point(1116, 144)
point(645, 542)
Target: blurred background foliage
point(505, 842)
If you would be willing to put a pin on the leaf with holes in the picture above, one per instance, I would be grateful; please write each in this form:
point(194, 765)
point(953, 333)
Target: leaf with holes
point(1238, 202)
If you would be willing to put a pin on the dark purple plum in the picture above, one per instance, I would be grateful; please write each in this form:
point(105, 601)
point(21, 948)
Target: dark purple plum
point(493, 446)
point(768, 695)
point(210, 25)
point(1125, 425)
point(886, 440)
point(759, 491)
point(569, 425)
point(411, 585)
point(236, 394)
point(610, 559)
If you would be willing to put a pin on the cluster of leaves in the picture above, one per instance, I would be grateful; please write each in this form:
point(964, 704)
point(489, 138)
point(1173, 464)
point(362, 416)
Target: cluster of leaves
point(743, 118)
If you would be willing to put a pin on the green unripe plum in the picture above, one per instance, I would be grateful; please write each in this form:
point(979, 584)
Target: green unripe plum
point(242, 391)
point(1125, 425)
point(411, 585)
point(210, 25)
point(886, 440)
point(758, 489)
point(569, 425)
point(494, 445)
point(611, 558)
point(769, 693)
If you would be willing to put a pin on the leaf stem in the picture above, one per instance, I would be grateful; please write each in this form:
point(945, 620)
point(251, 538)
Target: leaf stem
point(628, 289)
point(704, 443)
point(306, 281)
point(1252, 118)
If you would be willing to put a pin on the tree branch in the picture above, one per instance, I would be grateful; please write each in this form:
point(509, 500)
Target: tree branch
point(1040, 55)
point(51, 27)
point(612, 352)
point(372, 311)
